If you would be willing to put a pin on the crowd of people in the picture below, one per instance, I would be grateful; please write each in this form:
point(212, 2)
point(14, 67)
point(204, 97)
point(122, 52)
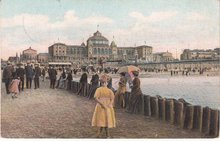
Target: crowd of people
point(14, 77)
point(99, 88)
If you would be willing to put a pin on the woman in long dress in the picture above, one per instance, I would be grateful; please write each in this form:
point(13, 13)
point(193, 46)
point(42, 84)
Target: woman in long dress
point(120, 93)
point(94, 85)
point(104, 115)
point(135, 99)
point(83, 85)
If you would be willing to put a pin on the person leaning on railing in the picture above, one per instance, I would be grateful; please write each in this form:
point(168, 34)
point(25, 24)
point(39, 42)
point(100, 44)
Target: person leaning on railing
point(135, 99)
point(120, 93)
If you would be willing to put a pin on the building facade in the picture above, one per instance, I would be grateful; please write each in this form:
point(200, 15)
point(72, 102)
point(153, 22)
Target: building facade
point(29, 55)
point(96, 49)
point(163, 57)
point(60, 52)
point(43, 57)
point(198, 54)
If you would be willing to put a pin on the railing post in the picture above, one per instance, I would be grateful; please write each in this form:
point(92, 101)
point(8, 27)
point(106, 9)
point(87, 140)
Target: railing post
point(188, 116)
point(170, 110)
point(214, 123)
point(147, 107)
point(206, 121)
point(154, 107)
point(127, 95)
point(178, 108)
point(197, 118)
point(162, 108)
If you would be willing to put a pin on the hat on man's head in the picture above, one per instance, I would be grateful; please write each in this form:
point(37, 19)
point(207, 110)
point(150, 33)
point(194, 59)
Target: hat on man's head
point(36, 64)
point(19, 64)
point(8, 63)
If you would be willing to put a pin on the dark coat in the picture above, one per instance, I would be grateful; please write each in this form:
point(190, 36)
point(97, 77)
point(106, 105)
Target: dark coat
point(7, 72)
point(95, 80)
point(83, 78)
point(43, 72)
point(37, 72)
point(20, 72)
point(135, 99)
point(49, 72)
point(53, 74)
point(69, 76)
point(29, 72)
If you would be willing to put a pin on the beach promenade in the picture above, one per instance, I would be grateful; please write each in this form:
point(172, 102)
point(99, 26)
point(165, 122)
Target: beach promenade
point(55, 113)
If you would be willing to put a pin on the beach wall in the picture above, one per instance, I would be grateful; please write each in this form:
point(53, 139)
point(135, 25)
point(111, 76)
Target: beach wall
point(177, 112)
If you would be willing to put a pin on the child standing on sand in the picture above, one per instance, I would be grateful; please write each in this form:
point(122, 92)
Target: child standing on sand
point(104, 115)
point(14, 87)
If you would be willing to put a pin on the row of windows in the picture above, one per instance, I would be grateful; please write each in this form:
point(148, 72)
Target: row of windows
point(128, 52)
point(101, 51)
point(100, 42)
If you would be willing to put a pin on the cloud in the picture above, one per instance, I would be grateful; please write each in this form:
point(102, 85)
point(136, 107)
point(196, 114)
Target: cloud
point(163, 30)
point(194, 16)
point(24, 30)
point(159, 31)
point(43, 21)
point(154, 16)
point(19, 20)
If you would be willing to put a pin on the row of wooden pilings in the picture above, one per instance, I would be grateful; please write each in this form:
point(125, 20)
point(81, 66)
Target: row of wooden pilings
point(177, 112)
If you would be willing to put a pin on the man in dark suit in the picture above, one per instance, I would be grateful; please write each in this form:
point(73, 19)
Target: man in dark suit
point(53, 74)
point(7, 76)
point(37, 74)
point(20, 73)
point(29, 75)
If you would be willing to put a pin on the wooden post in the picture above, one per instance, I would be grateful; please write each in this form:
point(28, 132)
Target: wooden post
point(206, 121)
point(162, 108)
point(170, 110)
point(127, 95)
point(154, 106)
point(183, 101)
point(74, 86)
point(214, 123)
point(142, 104)
point(197, 118)
point(147, 107)
point(86, 89)
point(178, 110)
point(188, 120)
point(78, 86)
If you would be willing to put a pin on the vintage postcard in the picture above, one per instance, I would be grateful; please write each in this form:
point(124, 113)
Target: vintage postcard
point(110, 69)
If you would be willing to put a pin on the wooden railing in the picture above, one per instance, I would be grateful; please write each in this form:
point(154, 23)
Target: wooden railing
point(178, 112)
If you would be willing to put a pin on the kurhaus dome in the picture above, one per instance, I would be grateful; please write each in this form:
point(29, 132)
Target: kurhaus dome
point(98, 40)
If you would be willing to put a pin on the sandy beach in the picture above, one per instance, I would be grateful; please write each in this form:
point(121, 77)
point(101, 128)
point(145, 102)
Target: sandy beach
point(48, 113)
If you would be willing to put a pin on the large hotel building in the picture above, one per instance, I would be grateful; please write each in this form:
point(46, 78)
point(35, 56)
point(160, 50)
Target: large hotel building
point(98, 47)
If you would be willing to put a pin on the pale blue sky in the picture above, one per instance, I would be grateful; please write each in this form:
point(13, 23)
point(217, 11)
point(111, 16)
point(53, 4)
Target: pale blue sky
point(163, 24)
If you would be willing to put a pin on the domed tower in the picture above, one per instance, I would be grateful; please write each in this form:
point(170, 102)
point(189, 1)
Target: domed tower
point(113, 50)
point(98, 47)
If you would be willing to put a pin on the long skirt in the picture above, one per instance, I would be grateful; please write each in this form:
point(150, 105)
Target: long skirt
point(135, 104)
point(119, 101)
point(92, 91)
point(103, 117)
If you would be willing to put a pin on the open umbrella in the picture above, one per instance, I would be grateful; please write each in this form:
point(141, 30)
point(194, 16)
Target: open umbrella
point(128, 69)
